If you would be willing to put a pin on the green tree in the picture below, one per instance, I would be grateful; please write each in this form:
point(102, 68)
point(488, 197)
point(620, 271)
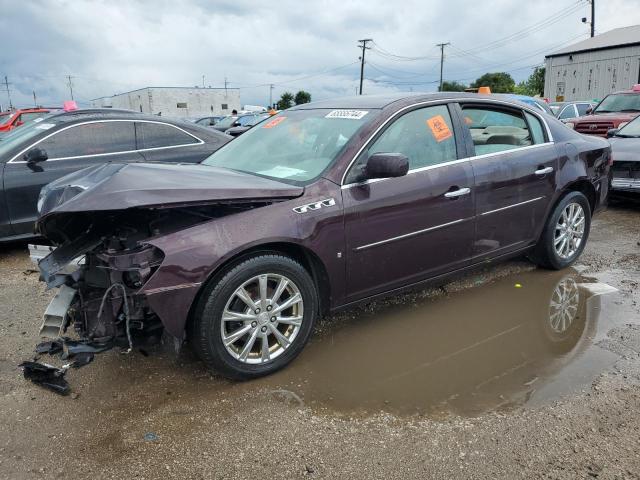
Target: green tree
point(286, 101)
point(453, 86)
point(302, 97)
point(498, 82)
point(534, 85)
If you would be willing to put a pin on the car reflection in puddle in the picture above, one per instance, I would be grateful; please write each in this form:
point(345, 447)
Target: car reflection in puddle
point(492, 347)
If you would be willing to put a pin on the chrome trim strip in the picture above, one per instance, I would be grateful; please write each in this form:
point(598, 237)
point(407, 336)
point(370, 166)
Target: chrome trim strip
point(527, 108)
point(407, 235)
point(153, 291)
point(446, 164)
point(199, 141)
point(511, 206)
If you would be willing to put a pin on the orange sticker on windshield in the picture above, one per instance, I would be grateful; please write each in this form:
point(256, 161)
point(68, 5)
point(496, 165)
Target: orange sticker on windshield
point(274, 122)
point(439, 128)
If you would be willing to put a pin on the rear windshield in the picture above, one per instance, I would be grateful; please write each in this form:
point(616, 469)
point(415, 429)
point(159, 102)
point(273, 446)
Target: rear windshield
point(619, 102)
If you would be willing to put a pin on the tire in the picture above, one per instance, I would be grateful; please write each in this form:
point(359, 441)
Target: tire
point(545, 253)
point(225, 297)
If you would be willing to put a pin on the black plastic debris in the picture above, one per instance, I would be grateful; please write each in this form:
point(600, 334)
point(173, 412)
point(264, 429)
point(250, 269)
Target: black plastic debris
point(72, 348)
point(46, 376)
point(50, 348)
point(82, 359)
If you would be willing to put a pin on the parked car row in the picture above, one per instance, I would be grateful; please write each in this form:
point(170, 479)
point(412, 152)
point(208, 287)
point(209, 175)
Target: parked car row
point(315, 209)
point(61, 143)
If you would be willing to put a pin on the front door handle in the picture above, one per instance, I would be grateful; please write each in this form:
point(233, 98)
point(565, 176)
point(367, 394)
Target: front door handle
point(544, 171)
point(458, 193)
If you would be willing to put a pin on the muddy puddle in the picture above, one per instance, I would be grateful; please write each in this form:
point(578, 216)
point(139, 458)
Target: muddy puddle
point(523, 339)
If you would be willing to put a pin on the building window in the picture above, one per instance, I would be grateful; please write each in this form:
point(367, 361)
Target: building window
point(181, 105)
point(225, 106)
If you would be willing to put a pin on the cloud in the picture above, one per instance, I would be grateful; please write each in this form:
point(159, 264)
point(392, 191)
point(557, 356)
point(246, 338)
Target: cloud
point(109, 47)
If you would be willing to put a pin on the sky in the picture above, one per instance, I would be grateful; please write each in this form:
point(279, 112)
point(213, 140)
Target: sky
point(109, 47)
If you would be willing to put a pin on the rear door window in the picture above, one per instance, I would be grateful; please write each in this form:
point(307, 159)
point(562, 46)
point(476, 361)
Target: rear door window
point(90, 139)
point(157, 135)
point(495, 129)
point(535, 126)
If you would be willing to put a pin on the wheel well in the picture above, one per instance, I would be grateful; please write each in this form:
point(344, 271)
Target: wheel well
point(587, 189)
point(304, 256)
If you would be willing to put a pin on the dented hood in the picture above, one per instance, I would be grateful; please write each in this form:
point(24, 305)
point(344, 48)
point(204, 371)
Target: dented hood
point(115, 186)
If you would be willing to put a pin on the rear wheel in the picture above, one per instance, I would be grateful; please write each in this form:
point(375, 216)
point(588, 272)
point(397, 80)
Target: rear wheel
point(565, 233)
point(256, 318)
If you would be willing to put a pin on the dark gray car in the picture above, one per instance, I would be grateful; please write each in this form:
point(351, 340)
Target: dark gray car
point(59, 144)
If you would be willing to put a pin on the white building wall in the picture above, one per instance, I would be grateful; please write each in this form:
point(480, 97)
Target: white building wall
point(176, 102)
point(591, 75)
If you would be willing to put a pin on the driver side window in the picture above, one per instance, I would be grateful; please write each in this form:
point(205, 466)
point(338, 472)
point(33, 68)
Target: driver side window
point(425, 136)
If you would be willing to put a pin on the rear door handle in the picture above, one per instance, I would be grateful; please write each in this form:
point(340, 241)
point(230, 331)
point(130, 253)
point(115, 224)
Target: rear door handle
point(458, 193)
point(544, 171)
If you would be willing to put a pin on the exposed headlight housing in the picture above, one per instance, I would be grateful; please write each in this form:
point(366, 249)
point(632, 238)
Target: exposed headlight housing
point(571, 125)
point(622, 124)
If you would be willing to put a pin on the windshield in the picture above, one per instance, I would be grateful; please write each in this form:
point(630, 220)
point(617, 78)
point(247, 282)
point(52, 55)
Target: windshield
point(21, 135)
point(226, 122)
point(620, 102)
point(295, 145)
point(631, 129)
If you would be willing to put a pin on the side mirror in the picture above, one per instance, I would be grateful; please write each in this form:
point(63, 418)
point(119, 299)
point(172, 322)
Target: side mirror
point(236, 124)
point(589, 110)
point(386, 165)
point(35, 155)
point(612, 132)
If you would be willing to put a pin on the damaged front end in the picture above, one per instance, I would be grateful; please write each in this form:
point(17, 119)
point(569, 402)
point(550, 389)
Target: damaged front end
point(101, 273)
point(105, 223)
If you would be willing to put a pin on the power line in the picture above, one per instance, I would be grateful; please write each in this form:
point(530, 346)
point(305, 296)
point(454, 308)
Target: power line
point(363, 45)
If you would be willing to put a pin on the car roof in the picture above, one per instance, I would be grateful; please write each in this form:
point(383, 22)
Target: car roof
point(383, 100)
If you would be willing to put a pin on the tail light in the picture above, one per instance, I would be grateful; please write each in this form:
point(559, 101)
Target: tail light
point(610, 160)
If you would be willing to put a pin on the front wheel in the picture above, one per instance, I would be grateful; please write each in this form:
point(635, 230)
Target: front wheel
point(256, 318)
point(565, 233)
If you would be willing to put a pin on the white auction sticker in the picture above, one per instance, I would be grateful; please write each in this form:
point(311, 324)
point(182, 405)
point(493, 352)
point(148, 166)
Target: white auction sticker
point(349, 114)
point(45, 126)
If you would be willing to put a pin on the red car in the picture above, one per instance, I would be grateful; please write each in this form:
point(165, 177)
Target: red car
point(15, 118)
point(614, 111)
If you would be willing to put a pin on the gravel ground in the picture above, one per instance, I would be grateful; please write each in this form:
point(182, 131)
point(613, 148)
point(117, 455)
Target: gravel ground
point(202, 427)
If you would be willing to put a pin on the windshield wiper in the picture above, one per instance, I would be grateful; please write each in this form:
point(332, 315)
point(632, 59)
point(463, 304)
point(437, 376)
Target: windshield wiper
point(630, 110)
point(622, 135)
point(602, 111)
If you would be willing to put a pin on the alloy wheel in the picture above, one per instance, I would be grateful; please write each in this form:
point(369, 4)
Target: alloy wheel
point(569, 231)
point(262, 318)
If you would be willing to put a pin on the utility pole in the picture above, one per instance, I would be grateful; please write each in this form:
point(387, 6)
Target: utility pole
point(35, 101)
point(225, 87)
point(592, 23)
point(70, 83)
point(441, 45)
point(271, 96)
point(6, 84)
point(363, 45)
point(202, 81)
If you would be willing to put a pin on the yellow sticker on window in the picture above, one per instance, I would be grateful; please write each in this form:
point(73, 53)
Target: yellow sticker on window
point(439, 128)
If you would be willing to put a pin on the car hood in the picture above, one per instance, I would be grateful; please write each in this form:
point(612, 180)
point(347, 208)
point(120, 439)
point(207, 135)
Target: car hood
point(617, 117)
point(625, 149)
point(115, 186)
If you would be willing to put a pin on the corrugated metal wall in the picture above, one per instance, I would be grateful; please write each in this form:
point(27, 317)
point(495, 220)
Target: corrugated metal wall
point(592, 75)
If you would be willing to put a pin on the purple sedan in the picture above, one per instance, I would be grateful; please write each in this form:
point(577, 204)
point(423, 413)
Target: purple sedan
point(323, 206)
